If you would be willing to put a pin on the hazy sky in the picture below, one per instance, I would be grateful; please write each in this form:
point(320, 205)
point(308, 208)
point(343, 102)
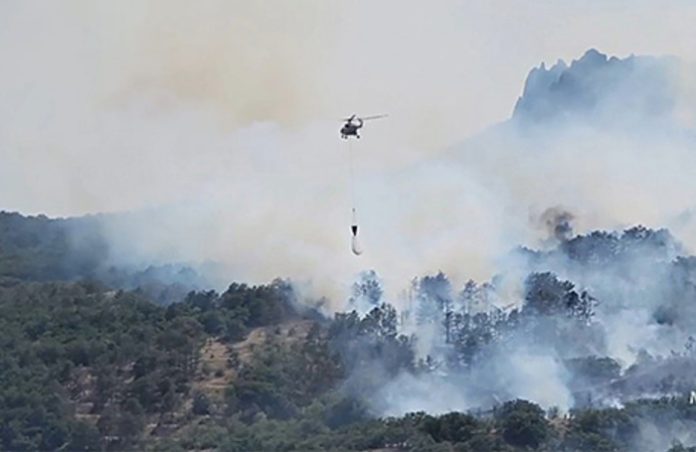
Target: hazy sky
point(93, 92)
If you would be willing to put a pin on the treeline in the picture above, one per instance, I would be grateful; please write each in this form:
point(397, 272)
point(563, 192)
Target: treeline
point(42, 249)
point(515, 426)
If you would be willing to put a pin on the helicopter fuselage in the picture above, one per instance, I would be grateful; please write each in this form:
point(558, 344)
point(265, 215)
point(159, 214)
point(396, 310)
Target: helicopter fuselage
point(351, 129)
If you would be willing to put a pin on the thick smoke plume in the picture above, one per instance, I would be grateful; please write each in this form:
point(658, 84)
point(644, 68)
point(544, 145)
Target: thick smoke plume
point(228, 151)
point(558, 223)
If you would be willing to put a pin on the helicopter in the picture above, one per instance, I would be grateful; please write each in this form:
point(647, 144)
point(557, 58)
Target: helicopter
point(350, 128)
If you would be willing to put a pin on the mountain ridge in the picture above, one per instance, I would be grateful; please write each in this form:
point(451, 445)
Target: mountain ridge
point(595, 85)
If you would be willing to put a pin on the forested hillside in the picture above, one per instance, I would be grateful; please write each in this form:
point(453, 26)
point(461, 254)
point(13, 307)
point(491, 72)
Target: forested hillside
point(89, 365)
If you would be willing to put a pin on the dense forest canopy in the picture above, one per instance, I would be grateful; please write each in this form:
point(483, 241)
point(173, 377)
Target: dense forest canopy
point(95, 362)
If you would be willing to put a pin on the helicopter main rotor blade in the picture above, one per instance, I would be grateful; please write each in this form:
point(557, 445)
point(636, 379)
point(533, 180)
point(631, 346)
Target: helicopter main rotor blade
point(367, 118)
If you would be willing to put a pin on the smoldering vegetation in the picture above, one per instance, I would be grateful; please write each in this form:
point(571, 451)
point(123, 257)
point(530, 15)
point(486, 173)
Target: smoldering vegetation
point(600, 321)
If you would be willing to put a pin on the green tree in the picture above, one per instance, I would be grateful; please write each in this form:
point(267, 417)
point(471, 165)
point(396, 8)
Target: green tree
point(523, 424)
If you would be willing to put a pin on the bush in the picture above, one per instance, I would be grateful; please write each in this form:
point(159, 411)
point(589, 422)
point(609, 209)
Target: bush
point(201, 404)
point(523, 424)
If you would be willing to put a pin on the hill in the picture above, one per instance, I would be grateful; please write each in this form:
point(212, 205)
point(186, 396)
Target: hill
point(600, 90)
point(90, 367)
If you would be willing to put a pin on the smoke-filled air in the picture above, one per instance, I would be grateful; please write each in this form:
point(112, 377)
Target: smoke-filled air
point(502, 257)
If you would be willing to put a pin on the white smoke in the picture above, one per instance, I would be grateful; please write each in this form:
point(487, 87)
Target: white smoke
point(219, 123)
